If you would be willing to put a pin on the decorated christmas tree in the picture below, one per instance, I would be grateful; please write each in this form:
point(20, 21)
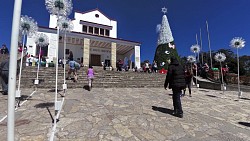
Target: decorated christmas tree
point(166, 46)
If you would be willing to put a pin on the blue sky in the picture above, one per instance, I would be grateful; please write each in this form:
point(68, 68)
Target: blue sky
point(137, 20)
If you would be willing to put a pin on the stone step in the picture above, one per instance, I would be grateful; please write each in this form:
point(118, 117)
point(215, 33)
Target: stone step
point(102, 78)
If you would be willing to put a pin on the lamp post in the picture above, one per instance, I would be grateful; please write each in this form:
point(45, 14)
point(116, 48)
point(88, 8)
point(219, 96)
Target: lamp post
point(195, 49)
point(65, 25)
point(221, 57)
point(27, 27)
point(238, 43)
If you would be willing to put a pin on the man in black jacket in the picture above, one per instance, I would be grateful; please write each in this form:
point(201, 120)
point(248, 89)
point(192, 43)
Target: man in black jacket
point(4, 73)
point(175, 80)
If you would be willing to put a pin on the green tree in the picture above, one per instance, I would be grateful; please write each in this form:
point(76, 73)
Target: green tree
point(162, 56)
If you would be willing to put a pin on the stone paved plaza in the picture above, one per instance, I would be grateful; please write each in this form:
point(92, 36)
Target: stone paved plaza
point(132, 114)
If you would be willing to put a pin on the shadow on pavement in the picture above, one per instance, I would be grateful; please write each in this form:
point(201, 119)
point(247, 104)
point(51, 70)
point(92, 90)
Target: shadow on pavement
point(211, 96)
point(44, 105)
point(204, 91)
point(53, 90)
point(244, 124)
point(163, 110)
point(86, 87)
point(245, 98)
point(23, 97)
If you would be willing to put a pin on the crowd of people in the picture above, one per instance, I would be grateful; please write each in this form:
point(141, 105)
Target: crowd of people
point(178, 77)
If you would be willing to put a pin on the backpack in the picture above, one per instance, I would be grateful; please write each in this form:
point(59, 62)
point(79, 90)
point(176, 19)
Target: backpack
point(77, 66)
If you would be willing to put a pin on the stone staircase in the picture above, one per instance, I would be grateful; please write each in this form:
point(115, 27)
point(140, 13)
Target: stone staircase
point(103, 78)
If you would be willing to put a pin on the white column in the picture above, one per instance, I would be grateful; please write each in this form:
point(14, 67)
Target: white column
point(113, 55)
point(86, 52)
point(138, 57)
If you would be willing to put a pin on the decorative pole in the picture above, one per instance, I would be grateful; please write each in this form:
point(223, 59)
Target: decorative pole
point(191, 59)
point(221, 57)
point(208, 37)
point(195, 49)
point(65, 25)
point(59, 8)
point(12, 70)
point(41, 40)
point(238, 43)
point(198, 55)
point(201, 48)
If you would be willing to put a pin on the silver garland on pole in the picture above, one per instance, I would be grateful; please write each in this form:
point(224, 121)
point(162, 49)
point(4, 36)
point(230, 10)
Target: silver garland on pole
point(195, 49)
point(27, 27)
point(58, 8)
point(41, 40)
point(221, 57)
point(65, 25)
point(191, 59)
point(238, 43)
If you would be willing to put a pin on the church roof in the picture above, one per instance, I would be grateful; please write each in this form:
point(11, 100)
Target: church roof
point(96, 9)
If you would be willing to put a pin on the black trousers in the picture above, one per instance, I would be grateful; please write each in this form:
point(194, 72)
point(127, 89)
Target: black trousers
point(188, 84)
point(4, 80)
point(177, 101)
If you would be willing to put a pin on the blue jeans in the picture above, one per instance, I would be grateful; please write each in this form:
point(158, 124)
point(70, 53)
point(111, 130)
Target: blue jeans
point(177, 101)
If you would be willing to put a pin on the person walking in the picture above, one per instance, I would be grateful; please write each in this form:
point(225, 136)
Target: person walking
point(90, 76)
point(175, 80)
point(72, 69)
point(188, 79)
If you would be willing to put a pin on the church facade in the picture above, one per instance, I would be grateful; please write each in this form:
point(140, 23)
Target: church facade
point(92, 41)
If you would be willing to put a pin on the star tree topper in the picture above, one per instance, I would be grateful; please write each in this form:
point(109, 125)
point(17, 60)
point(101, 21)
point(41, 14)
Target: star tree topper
point(164, 10)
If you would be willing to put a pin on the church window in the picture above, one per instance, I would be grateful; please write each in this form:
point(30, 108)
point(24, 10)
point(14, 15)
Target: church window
point(96, 30)
point(84, 28)
point(90, 29)
point(102, 31)
point(107, 32)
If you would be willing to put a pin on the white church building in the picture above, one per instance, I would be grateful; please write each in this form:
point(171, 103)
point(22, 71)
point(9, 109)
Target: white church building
point(92, 41)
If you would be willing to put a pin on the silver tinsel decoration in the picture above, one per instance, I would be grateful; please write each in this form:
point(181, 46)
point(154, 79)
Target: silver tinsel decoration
point(59, 7)
point(195, 48)
point(165, 34)
point(237, 42)
point(65, 24)
point(167, 52)
point(28, 26)
point(41, 40)
point(191, 59)
point(220, 57)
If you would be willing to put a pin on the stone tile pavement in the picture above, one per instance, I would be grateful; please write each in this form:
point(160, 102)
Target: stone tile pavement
point(132, 114)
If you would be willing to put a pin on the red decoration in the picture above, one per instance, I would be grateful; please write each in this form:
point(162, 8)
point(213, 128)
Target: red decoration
point(163, 71)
